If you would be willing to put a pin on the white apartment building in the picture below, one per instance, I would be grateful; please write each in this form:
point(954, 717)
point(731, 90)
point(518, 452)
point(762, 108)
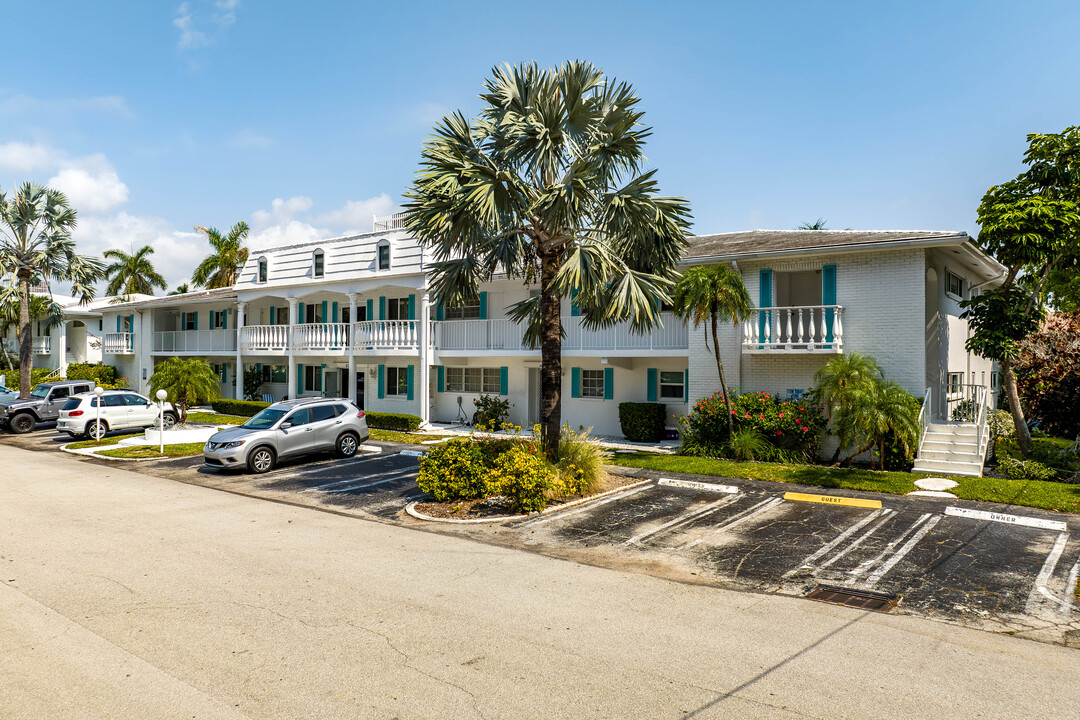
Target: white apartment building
point(343, 317)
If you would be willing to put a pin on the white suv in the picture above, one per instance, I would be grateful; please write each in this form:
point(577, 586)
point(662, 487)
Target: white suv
point(120, 409)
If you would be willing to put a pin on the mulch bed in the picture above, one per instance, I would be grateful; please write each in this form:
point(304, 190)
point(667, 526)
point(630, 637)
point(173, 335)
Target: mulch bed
point(498, 506)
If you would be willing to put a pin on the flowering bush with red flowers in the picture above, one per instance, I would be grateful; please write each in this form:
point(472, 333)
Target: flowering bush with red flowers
point(1048, 374)
point(792, 427)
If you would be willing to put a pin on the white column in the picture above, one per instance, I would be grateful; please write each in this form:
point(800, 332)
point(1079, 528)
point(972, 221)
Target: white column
point(60, 351)
point(351, 391)
point(291, 392)
point(238, 373)
point(424, 319)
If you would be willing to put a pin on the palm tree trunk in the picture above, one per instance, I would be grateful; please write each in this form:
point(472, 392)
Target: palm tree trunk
point(26, 356)
point(550, 356)
point(1023, 434)
point(720, 369)
point(847, 461)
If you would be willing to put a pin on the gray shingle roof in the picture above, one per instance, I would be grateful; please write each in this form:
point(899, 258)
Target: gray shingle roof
point(191, 297)
point(752, 242)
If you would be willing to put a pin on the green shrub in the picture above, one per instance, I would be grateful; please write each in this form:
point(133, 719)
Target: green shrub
point(896, 457)
point(580, 468)
point(243, 408)
point(12, 377)
point(524, 477)
point(491, 412)
point(792, 427)
point(455, 470)
point(103, 375)
point(642, 422)
point(392, 421)
point(1025, 469)
point(747, 444)
point(1002, 425)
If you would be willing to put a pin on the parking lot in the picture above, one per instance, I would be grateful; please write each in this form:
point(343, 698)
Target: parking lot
point(916, 553)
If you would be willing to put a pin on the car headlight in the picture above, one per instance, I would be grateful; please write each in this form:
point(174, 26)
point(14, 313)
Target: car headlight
point(234, 444)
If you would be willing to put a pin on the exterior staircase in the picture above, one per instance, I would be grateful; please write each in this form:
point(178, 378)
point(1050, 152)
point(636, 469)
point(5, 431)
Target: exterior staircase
point(951, 448)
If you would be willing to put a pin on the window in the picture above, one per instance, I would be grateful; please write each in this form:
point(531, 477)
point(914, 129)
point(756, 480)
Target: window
point(300, 417)
point(312, 378)
point(993, 381)
point(397, 309)
point(125, 324)
point(954, 284)
point(473, 380)
point(59, 393)
point(187, 321)
point(397, 381)
point(132, 400)
point(262, 270)
point(592, 384)
point(384, 255)
point(275, 373)
point(955, 380)
point(217, 319)
point(322, 412)
point(313, 313)
point(281, 316)
point(317, 263)
point(672, 385)
point(462, 312)
point(114, 401)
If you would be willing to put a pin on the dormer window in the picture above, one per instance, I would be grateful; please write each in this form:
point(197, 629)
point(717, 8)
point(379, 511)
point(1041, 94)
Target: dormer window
point(384, 255)
point(262, 270)
point(317, 263)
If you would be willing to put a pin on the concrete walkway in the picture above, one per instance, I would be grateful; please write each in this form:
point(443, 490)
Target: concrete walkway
point(127, 596)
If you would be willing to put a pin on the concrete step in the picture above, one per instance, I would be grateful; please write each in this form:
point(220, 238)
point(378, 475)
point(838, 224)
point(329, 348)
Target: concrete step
point(953, 430)
point(950, 455)
point(947, 467)
point(940, 444)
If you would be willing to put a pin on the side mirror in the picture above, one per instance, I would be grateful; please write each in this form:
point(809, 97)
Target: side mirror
point(285, 425)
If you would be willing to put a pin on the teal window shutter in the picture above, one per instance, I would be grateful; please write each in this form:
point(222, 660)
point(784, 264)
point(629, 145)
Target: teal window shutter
point(370, 314)
point(651, 382)
point(483, 305)
point(333, 312)
point(504, 380)
point(195, 319)
point(117, 323)
point(382, 381)
point(224, 372)
point(442, 378)
point(439, 311)
point(828, 297)
point(322, 319)
point(575, 310)
point(300, 318)
point(609, 383)
point(183, 322)
point(382, 307)
point(131, 323)
point(224, 319)
point(764, 301)
point(299, 379)
point(412, 307)
point(575, 382)
point(273, 316)
point(686, 386)
point(409, 383)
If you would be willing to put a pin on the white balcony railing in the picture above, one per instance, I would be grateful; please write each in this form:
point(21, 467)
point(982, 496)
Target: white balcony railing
point(389, 222)
point(816, 328)
point(264, 337)
point(505, 334)
point(387, 334)
point(41, 345)
point(182, 341)
point(321, 336)
point(478, 335)
point(118, 344)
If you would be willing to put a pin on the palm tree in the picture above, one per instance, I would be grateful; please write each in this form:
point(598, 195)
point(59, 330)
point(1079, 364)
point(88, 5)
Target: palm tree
point(181, 289)
point(43, 310)
point(713, 293)
point(838, 381)
point(818, 224)
point(186, 380)
point(547, 186)
point(36, 247)
point(220, 269)
point(875, 413)
point(132, 274)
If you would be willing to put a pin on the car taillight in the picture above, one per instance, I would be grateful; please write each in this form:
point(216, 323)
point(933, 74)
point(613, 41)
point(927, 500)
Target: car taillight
point(360, 414)
point(75, 413)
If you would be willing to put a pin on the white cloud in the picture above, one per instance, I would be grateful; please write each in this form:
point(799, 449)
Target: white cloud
point(249, 139)
point(91, 184)
point(190, 37)
point(281, 212)
point(204, 25)
point(225, 12)
point(292, 232)
point(176, 253)
point(19, 105)
point(21, 158)
point(356, 215)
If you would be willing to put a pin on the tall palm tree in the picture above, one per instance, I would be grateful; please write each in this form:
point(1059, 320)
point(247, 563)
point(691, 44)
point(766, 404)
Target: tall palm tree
point(713, 293)
point(547, 186)
point(836, 384)
point(818, 224)
point(873, 414)
point(181, 289)
point(36, 247)
point(42, 309)
point(132, 274)
point(186, 380)
point(219, 269)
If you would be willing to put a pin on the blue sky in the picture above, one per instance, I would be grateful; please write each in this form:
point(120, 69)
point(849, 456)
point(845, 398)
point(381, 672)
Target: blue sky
point(304, 119)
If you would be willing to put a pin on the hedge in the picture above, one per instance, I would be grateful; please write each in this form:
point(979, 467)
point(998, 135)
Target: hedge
point(104, 375)
point(244, 408)
point(11, 379)
point(642, 422)
point(392, 421)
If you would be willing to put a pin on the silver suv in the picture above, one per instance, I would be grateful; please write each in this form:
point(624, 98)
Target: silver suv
point(287, 429)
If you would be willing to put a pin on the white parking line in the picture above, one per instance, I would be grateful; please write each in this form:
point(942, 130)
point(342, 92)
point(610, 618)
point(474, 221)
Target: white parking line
point(399, 476)
point(762, 507)
point(1070, 590)
point(683, 519)
point(1047, 571)
point(808, 563)
point(347, 481)
point(1006, 518)
point(899, 555)
point(584, 507)
point(858, 541)
point(867, 565)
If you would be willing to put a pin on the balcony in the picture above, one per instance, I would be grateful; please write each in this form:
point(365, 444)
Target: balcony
point(808, 329)
point(118, 344)
point(506, 336)
point(41, 345)
point(264, 337)
point(334, 338)
point(321, 336)
point(193, 341)
point(388, 335)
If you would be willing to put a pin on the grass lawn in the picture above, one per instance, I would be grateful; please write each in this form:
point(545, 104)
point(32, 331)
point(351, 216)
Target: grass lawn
point(1030, 493)
point(109, 440)
point(151, 451)
point(401, 437)
point(216, 419)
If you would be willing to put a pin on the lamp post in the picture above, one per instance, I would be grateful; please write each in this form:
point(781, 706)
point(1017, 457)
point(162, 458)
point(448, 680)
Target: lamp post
point(98, 391)
point(161, 395)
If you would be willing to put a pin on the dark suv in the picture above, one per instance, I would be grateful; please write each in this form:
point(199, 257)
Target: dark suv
point(43, 405)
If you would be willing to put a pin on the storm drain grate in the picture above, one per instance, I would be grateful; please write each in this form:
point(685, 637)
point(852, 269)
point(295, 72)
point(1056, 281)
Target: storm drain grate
point(878, 602)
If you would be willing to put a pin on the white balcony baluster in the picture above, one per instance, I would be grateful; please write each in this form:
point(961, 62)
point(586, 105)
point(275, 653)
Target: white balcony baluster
point(794, 329)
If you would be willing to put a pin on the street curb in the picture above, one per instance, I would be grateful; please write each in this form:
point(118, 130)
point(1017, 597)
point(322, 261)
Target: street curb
point(87, 452)
point(411, 510)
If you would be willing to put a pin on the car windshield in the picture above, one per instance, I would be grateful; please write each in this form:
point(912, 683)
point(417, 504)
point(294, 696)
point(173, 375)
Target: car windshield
point(40, 391)
point(265, 419)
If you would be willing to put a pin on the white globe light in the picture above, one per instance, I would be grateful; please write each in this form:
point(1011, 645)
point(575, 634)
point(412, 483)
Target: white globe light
point(161, 394)
point(99, 391)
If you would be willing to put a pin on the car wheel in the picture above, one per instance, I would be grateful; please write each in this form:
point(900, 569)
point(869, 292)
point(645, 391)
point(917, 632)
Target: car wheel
point(168, 420)
point(22, 423)
point(261, 460)
point(347, 445)
point(96, 432)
